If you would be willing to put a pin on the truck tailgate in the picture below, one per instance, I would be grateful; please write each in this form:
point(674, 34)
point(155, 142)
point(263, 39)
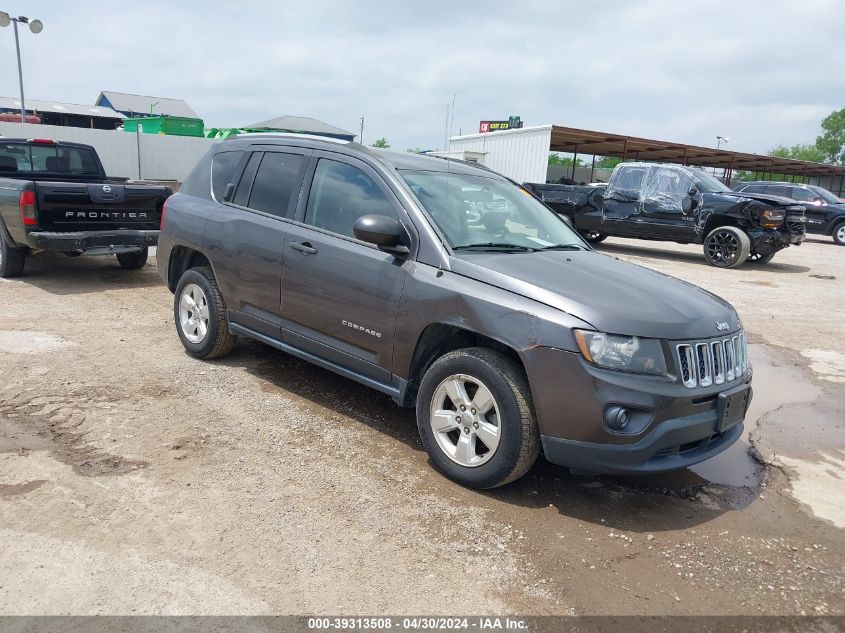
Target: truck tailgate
point(103, 206)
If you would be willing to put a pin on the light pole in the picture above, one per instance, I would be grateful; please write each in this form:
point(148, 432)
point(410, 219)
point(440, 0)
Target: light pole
point(36, 26)
point(719, 141)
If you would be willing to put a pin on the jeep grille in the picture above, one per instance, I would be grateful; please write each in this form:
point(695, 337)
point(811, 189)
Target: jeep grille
point(713, 361)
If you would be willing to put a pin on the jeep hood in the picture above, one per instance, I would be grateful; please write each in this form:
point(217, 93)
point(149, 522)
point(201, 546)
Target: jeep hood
point(612, 295)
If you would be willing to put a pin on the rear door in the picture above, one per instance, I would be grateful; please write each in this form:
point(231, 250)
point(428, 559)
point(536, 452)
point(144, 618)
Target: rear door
point(621, 206)
point(341, 295)
point(246, 233)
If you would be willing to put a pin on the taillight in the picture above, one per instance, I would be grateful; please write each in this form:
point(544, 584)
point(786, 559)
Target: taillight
point(163, 211)
point(27, 206)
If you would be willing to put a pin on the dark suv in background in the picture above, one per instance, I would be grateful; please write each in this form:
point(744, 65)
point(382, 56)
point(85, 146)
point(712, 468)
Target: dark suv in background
point(455, 291)
point(824, 210)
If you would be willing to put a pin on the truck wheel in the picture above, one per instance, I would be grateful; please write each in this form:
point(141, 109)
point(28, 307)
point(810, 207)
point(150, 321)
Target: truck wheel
point(133, 261)
point(593, 237)
point(756, 258)
point(839, 234)
point(726, 247)
point(12, 259)
point(476, 419)
point(200, 315)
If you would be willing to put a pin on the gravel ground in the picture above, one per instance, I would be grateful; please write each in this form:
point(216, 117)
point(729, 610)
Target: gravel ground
point(135, 479)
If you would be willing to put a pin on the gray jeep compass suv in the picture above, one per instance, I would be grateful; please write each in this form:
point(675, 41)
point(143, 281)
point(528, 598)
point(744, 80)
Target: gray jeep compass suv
point(456, 291)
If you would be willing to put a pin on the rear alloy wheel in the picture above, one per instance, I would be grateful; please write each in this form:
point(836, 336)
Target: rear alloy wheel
point(200, 315)
point(133, 261)
point(727, 247)
point(475, 418)
point(593, 237)
point(756, 258)
point(12, 259)
point(839, 234)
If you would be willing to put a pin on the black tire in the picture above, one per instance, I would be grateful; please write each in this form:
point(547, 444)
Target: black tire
point(838, 234)
point(217, 341)
point(727, 247)
point(519, 439)
point(134, 261)
point(72, 253)
point(12, 260)
point(756, 258)
point(593, 237)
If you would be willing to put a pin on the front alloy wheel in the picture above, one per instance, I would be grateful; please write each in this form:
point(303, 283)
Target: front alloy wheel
point(726, 247)
point(475, 417)
point(465, 420)
point(839, 234)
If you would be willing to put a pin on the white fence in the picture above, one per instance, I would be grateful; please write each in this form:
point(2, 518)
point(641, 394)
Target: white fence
point(161, 157)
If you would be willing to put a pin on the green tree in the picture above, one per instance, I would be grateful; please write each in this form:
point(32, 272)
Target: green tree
point(832, 140)
point(382, 143)
point(800, 151)
point(557, 159)
point(414, 150)
point(607, 162)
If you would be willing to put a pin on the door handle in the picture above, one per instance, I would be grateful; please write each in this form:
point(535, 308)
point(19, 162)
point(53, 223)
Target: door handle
point(304, 247)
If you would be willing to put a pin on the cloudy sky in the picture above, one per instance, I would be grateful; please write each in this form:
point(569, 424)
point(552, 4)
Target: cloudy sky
point(759, 72)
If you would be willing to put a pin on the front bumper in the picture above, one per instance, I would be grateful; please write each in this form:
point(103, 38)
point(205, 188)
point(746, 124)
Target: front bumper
point(93, 242)
point(674, 444)
point(671, 426)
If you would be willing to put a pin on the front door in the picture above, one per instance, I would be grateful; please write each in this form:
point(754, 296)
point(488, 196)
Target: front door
point(340, 294)
point(664, 190)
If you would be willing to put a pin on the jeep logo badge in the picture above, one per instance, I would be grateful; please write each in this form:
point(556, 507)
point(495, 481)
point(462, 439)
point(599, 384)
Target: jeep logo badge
point(106, 189)
point(722, 326)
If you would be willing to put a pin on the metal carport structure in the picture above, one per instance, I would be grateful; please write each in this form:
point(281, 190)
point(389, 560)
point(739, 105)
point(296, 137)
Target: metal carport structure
point(576, 141)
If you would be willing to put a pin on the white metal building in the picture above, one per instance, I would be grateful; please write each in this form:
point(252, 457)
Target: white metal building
point(521, 154)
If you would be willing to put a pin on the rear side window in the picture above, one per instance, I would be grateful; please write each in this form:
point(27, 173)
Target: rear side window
point(778, 190)
point(276, 183)
point(242, 194)
point(223, 167)
point(340, 195)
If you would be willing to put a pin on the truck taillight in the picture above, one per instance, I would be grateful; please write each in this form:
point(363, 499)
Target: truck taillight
point(163, 211)
point(27, 206)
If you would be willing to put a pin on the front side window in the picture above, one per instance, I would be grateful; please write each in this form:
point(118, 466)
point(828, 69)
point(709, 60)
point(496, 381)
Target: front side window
point(665, 188)
point(276, 183)
point(482, 212)
point(805, 195)
point(340, 194)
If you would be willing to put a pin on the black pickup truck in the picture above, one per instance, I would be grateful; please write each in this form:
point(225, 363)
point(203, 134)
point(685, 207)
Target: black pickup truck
point(55, 196)
point(682, 204)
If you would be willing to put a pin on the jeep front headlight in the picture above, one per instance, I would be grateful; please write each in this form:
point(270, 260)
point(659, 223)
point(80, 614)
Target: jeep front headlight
point(623, 353)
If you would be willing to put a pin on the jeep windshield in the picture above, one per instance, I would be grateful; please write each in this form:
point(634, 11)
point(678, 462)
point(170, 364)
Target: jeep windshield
point(478, 213)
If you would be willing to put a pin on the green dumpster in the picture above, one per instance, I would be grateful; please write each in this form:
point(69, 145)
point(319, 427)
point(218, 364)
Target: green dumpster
point(173, 125)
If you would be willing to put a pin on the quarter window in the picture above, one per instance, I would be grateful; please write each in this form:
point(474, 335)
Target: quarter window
point(223, 172)
point(276, 183)
point(340, 195)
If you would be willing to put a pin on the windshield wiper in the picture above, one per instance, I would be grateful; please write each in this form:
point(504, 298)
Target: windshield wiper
point(562, 247)
point(494, 246)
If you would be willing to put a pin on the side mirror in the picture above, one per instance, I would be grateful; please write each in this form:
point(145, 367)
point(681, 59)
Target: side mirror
point(689, 204)
point(693, 192)
point(381, 230)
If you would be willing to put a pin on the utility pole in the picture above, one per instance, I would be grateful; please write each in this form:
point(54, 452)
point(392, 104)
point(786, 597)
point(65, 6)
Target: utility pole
point(361, 135)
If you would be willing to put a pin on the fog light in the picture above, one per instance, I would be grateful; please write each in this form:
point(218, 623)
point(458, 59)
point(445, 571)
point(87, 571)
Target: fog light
point(617, 418)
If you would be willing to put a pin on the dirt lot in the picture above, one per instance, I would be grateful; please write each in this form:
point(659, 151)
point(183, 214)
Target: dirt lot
point(134, 479)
